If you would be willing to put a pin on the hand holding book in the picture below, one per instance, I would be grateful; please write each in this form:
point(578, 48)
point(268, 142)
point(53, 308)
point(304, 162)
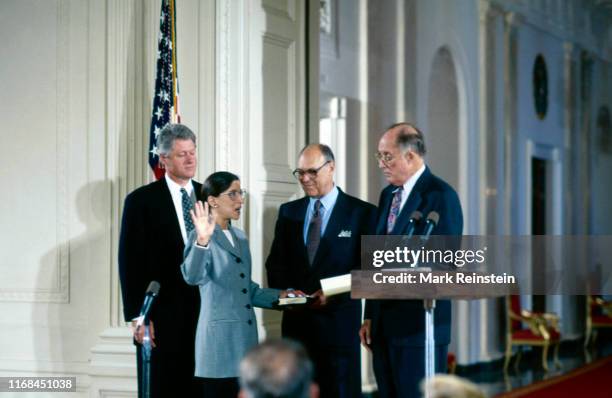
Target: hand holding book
point(292, 297)
point(319, 299)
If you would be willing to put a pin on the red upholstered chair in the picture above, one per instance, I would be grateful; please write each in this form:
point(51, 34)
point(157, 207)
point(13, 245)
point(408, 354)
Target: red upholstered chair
point(598, 315)
point(451, 363)
point(526, 328)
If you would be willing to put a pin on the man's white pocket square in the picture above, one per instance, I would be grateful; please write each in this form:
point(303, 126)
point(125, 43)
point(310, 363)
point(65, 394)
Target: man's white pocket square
point(345, 234)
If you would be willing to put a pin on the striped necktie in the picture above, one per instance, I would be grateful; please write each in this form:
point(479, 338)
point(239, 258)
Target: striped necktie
point(313, 238)
point(395, 209)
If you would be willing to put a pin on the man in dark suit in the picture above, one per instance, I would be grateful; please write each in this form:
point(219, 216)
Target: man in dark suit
point(153, 233)
point(395, 329)
point(318, 237)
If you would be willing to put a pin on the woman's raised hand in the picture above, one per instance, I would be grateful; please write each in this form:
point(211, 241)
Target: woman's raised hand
point(203, 221)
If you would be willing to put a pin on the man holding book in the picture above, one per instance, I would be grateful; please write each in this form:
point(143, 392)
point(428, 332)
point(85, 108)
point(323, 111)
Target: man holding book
point(318, 237)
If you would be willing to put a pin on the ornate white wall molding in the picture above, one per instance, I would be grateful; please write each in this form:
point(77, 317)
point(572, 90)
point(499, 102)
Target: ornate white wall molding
point(282, 9)
point(510, 52)
point(572, 20)
point(225, 15)
point(490, 16)
point(128, 104)
point(272, 120)
point(59, 256)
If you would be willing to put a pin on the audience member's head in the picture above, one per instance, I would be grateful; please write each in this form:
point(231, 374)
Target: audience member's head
point(450, 386)
point(277, 369)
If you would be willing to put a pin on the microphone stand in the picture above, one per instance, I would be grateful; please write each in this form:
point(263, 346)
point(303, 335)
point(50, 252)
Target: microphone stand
point(152, 292)
point(429, 305)
point(430, 342)
point(146, 361)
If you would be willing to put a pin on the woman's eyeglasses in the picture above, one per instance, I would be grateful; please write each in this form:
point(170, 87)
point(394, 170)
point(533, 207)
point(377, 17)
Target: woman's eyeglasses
point(234, 195)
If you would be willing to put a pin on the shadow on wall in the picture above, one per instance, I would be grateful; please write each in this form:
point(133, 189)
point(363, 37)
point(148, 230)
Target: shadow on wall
point(65, 326)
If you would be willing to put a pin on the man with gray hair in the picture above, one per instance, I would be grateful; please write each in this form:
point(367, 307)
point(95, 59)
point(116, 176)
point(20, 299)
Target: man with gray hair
point(395, 329)
point(277, 369)
point(154, 230)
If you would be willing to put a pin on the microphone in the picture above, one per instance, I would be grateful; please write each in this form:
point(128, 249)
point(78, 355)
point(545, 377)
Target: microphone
point(415, 217)
point(432, 220)
point(152, 292)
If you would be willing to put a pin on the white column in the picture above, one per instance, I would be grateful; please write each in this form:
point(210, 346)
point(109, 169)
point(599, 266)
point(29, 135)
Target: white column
point(261, 117)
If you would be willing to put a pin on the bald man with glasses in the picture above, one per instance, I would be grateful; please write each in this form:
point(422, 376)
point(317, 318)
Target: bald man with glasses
point(318, 237)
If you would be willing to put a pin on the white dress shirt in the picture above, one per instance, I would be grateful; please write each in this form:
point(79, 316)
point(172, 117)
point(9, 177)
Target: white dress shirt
point(228, 235)
point(408, 185)
point(177, 199)
point(328, 201)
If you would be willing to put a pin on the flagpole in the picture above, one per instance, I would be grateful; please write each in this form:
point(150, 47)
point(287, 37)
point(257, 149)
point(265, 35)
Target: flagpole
point(166, 94)
point(176, 117)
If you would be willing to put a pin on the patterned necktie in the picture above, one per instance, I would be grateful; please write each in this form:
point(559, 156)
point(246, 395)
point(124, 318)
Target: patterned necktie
point(395, 209)
point(313, 238)
point(187, 205)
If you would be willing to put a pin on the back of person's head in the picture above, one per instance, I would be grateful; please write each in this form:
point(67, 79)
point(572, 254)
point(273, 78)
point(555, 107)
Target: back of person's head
point(277, 369)
point(450, 386)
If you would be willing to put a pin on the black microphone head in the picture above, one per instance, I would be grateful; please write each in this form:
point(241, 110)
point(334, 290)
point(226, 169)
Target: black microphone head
point(416, 215)
point(433, 217)
point(153, 288)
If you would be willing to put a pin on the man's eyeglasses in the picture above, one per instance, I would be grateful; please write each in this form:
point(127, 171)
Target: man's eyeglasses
point(385, 157)
point(234, 195)
point(312, 173)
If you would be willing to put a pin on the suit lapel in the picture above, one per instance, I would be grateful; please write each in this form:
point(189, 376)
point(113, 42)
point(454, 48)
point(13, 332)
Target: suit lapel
point(242, 245)
point(197, 188)
point(225, 244)
point(412, 203)
point(381, 228)
point(299, 234)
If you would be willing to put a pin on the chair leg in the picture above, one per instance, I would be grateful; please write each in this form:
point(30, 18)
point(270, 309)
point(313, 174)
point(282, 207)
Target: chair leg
point(556, 354)
point(588, 332)
point(545, 357)
point(508, 355)
point(587, 355)
point(518, 359)
point(507, 382)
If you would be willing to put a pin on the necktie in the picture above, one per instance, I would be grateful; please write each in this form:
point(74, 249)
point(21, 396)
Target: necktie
point(313, 238)
point(395, 209)
point(187, 205)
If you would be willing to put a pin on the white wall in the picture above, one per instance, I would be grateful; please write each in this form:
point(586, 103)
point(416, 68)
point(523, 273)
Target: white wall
point(80, 76)
point(56, 245)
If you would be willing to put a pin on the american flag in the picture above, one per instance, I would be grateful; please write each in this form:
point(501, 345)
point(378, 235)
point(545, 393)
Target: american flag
point(165, 100)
